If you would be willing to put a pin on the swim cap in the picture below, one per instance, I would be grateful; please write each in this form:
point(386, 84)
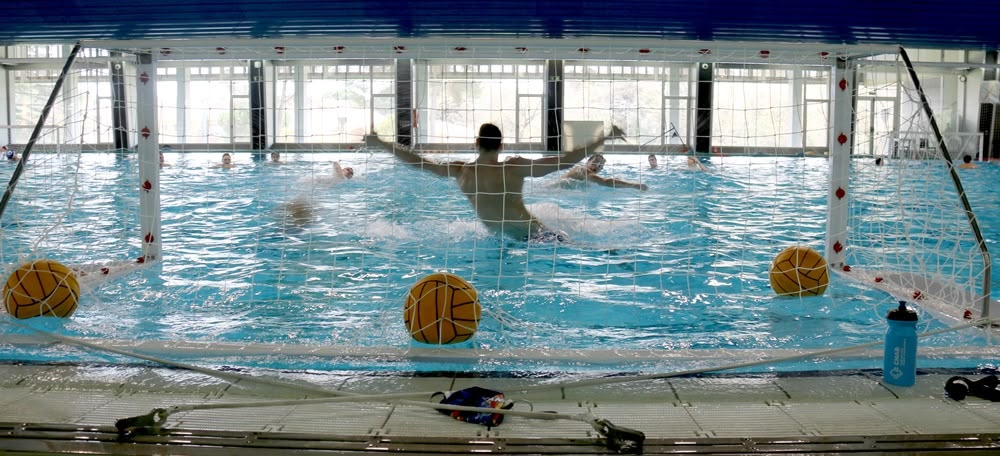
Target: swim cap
point(10, 154)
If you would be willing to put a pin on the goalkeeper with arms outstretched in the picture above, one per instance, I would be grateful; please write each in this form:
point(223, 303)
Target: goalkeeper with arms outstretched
point(495, 188)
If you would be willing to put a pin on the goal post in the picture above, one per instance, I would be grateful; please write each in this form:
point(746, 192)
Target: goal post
point(148, 151)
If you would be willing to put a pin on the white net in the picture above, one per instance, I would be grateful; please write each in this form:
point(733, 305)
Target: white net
point(60, 196)
point(279, 251)
point(908, 226)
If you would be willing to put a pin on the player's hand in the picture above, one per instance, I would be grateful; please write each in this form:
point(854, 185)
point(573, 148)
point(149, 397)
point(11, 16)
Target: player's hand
point(616, 133)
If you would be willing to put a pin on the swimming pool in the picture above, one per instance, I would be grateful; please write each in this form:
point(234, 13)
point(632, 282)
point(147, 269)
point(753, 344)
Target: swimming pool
point(278, 266)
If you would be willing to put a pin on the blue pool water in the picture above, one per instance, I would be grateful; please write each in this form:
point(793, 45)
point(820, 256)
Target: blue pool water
point(681, 267)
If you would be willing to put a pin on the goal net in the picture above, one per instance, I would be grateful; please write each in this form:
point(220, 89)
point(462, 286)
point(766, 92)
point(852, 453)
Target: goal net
point(912, 226)
point(219, 202)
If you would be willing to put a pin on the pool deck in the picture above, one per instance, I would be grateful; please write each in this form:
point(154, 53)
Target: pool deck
point(60, 409)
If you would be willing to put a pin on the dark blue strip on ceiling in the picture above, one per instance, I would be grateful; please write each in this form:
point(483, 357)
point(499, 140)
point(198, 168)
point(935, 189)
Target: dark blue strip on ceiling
point(954, 24)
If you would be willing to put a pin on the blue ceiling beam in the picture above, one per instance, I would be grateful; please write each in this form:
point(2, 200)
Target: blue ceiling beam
point(965, 24)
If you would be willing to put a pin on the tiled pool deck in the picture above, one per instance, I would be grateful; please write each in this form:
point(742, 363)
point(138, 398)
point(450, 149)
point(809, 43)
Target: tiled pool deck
point(47, 409)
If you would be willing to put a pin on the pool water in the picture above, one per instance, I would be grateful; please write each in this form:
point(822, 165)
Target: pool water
point(285, 255)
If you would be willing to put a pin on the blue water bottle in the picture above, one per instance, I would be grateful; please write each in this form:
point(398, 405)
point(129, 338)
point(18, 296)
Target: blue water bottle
point(900, 364)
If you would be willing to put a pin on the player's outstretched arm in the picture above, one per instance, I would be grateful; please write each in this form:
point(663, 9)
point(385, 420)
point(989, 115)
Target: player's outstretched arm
point(408, 156)
point(543, 166)
point(615, 183)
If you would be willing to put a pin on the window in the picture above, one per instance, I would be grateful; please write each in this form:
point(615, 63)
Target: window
point(646, 99)
point(762, 107)
point(81, 118)
point(333, 103)
point(462, 96)
point(214, 110)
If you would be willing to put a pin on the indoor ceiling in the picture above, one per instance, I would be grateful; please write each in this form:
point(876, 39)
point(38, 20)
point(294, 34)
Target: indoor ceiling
point(967, 24)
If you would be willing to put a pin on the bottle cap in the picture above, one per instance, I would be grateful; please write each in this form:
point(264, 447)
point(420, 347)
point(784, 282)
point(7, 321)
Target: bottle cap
point(902, 313)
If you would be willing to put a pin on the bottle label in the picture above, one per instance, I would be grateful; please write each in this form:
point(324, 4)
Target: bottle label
point(898, 360)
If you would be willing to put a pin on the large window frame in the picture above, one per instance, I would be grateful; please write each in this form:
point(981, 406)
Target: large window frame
point(650, 100)
point(332, 101)
point(207, 100)
point(762, 108)
point(455, 97)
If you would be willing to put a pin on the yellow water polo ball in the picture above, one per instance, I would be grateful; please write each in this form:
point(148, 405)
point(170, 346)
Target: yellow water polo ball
point(41, 288)
point(799, 271)
point(442, 308)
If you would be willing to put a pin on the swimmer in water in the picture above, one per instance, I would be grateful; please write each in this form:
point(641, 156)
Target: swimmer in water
point(588, 172)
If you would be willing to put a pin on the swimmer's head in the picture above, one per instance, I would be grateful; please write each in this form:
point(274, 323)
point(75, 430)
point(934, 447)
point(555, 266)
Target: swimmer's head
point(652, 161)
point(489, 138)
point(226, 158)
point(692, 161)
point(348, 172)
point(9, 153)
point(275, 156)
point(595, 163)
